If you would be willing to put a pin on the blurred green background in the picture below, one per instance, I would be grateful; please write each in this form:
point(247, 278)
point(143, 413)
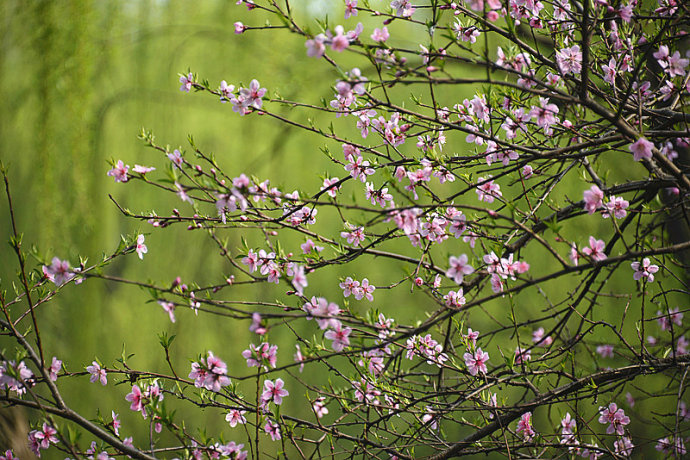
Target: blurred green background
point(79, 81)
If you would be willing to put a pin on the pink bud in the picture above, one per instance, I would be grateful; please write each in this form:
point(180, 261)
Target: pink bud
point(239, 27)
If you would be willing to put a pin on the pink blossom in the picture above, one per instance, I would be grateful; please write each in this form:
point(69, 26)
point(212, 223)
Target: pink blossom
point(350, 8)
point(610, 71)
point(380, 196)
point(455, 299)
point(54, 368)
point(187, 82)
point(642, 148)
point(373, 361)
point(479, 107)
point(471, 337)
point(596, 249)
point(593, 199)
point(299, 278)
point(675, 447)
point(383, 325)
point(616, 207)
point(97, 373)
point(119, 172)
point(349, 286)
point(574, 255)
point(629, 399)
point(324, 311)
point(644, 270)
point(136, 398)
point(319, 407)
point(527, 171)
point(239, 27)
point(605, 351)
point(568, 425)
point(466, 34)
point(169, 308)
point(623, 446)
point(522, 355)
point(58, 272)
point(524, 426)
point(339, 42)
point(539, 339)
point(545, 114)
point(674, 316)
point(226, 90)
point(488, 190)
point(310, 246)
point(676, 65)
point(298, 357)
point(430, 418)
point(626, 11)
point(458, 268)
point(210, 373)
point(142, 169)
point(359, 168)
point(570, 60)
point(339, 336)
point(364, 291)
point(496, 283)
point(493, 263)
point(403, 8)
point(615, 417)
point(115, 423)
point(366, 392)
point(42, 439)
point(458, 224)
point(274, 392)
point(316, 47)
point(257, 327)
point(251, 97)
point(330, 187)
point(380, 35)
point(263, 354)
point(183, 194)
point(251, 261)
point(355, 237)
point(141, 248)
point(273, 430)
point(476, 361)
point(176, 158)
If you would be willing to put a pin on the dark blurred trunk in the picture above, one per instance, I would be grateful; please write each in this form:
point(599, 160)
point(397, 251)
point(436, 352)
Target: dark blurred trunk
point(14, 433)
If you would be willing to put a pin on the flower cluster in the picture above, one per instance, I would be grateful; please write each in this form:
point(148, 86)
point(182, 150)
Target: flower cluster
point(210, 373)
